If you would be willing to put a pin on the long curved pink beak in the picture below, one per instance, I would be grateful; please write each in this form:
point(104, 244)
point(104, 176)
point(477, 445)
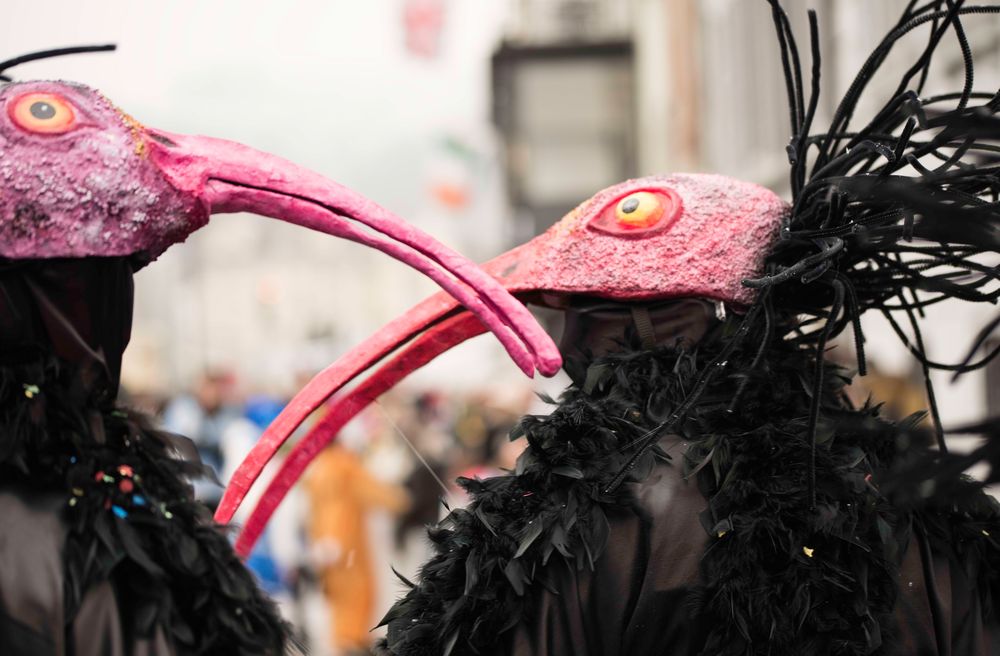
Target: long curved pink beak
point(419, 336)
point(229, 177)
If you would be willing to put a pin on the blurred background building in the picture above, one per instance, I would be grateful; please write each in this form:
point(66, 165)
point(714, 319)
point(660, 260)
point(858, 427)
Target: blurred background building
point(481, 122)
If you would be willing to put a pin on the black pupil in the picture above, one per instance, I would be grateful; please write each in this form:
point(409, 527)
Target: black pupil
point(42, 110)
point(630, 205)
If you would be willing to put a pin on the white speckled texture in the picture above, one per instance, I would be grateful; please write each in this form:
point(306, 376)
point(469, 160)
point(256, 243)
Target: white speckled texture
point(90, 191)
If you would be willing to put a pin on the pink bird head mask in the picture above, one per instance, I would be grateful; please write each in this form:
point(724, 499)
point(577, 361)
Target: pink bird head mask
point(81, 178)
point(651, 239)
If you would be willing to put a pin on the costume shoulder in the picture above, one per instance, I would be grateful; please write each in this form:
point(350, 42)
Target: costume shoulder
point(546, 526)
point(32, 587)
point(136, 531)
point(31, 574)
point(130, 563)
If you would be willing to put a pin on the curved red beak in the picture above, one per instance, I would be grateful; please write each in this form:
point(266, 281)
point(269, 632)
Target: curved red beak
point(229, 177)
point(416, 338)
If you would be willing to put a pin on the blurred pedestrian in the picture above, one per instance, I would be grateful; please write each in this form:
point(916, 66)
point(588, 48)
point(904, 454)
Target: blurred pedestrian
point(342, 493)
point(274, 565)
point(204, 415)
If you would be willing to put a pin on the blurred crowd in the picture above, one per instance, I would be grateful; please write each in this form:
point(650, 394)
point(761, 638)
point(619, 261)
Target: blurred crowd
point(362, 508)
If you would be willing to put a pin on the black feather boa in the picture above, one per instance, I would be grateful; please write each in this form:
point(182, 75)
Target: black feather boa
point(130, 514)
point(779, 576)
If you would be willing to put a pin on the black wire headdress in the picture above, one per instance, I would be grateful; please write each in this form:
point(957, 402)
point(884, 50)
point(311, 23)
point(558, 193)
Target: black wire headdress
point(895, 216)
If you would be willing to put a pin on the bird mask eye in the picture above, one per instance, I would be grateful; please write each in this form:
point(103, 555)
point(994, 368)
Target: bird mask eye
point(42, 113)
point(638, 214)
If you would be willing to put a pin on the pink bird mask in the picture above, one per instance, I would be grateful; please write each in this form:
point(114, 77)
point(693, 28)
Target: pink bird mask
point(657, 238)
point(81, 178)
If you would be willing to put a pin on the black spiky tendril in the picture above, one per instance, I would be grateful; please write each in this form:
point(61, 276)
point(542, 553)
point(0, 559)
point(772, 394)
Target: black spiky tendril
point(898, 215)
point(47, 54)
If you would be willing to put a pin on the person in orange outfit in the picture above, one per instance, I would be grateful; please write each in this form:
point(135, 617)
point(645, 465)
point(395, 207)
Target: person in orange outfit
point(341, 493)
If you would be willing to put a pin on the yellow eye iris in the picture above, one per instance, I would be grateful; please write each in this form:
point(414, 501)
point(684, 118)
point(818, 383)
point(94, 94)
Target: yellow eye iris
point(639, 210)
point(637, 215)
point(45, 113)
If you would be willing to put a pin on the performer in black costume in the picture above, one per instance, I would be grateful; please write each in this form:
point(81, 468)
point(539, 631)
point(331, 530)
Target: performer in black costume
point(103, 551)
point(705, 486)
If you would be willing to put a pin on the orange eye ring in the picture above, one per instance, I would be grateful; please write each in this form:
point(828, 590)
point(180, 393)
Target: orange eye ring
point(42, 113)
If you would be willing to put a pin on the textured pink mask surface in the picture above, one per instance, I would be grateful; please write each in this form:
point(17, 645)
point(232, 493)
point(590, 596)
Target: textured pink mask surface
point(89, 191)
point(720, 235)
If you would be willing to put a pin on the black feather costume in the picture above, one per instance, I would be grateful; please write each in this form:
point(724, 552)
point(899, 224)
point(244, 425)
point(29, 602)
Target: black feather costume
point(549, 561)
point(105, 550)
point(723, 496)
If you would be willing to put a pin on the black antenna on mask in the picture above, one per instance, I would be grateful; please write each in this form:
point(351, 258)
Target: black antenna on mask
point(46, 54)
